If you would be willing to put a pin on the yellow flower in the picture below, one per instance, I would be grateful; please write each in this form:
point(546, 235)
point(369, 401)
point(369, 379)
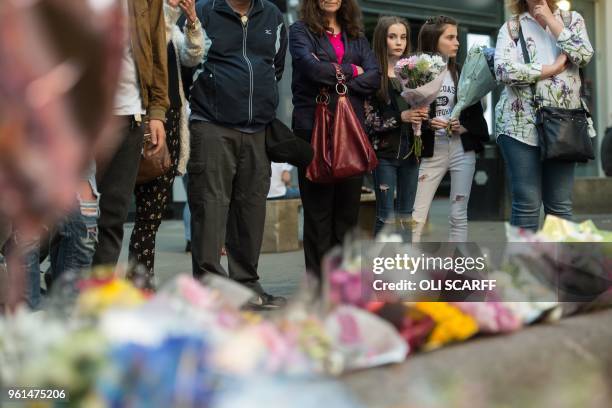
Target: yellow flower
point(117, 292)
point(251, 317)
point(451, 324)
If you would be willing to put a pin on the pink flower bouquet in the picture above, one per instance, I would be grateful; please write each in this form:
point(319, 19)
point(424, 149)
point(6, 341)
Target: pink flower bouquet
point(421, 76)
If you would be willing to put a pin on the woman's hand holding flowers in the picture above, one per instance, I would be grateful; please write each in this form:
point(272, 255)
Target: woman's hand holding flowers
point(415, 116)
point(456, 127)
point(437, 124)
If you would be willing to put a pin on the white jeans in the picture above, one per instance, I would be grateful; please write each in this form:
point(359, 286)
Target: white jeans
point(448, 156)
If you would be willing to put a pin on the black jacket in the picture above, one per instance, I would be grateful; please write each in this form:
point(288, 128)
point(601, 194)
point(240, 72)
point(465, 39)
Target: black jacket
point(472, 118)
point(310, 72)
point(391, 138)
point(236, 84)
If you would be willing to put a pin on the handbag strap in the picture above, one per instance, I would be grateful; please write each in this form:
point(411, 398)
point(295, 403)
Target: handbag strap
point(341, 88)
point(527, 59)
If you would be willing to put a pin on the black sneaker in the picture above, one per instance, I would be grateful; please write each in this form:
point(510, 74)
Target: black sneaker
point(265, 301)
point(188, 246)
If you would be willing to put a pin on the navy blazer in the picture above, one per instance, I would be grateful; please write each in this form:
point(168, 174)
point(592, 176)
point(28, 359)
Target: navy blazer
point(310, 73)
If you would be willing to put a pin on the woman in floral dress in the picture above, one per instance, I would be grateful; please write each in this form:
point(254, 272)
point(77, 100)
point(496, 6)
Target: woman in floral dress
point(558, 45)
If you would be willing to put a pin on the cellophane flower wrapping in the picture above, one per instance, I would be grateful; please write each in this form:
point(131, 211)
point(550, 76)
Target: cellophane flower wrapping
point(421, 76)
point(477, 78)
point(567, 263)
point(491, 317)
point(363, 339)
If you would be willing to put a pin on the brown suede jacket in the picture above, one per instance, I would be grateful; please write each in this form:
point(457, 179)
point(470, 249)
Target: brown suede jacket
point(148, 37)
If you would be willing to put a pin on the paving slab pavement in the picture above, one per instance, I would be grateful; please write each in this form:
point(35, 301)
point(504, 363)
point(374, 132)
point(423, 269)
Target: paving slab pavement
point(281, 273)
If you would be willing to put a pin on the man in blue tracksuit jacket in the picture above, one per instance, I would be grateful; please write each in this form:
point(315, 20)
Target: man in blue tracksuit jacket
point(233, 97)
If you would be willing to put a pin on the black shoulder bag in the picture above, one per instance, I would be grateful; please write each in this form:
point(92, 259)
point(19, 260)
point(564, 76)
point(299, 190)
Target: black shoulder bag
point(563, 133)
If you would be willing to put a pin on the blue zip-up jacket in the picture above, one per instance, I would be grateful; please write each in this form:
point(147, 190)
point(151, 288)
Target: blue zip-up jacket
point(310, 72)
point(236, 83)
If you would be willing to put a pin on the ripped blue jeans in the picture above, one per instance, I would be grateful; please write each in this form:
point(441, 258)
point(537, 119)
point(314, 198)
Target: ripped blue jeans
point(74, 243)
point(71, 248)
point(391, 175)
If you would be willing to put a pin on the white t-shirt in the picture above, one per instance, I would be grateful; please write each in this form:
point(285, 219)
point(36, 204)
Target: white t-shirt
point(127, 98)
point(277, 187)
point(445, 101)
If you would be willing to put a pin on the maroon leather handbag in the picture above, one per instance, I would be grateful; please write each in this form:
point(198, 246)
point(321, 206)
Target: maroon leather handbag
point(342, 148)
point(319, 169)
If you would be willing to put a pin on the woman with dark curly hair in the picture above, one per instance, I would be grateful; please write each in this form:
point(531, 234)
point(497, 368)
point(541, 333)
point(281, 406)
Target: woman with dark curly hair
point(329, 32)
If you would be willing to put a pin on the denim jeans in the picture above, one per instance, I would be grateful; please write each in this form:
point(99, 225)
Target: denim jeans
point(186, 212)
point(391, 175)
point(32, 268)
point(22, 260)
point(71, 248)
point(74, 244)
point(533, 182)
point(19, 261)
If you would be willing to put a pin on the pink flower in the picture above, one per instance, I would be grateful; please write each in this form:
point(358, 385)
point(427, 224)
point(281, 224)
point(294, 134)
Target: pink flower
point(350, 329)
point(492, 317)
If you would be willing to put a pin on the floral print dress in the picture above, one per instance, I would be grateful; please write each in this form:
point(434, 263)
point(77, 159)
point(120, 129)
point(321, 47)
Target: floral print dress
point(515, 114)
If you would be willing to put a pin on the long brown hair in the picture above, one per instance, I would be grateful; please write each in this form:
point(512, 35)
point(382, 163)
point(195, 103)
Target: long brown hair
point(382, 53)
point(520, 6)
point(429, 36)
point(349, 17)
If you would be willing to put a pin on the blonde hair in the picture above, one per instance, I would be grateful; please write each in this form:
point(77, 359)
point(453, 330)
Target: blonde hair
point(520, 6)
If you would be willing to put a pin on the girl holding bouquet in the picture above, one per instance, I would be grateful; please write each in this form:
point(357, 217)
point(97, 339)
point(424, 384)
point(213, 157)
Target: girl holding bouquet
point(448, 144)
point(388, 123)
point(329, 32)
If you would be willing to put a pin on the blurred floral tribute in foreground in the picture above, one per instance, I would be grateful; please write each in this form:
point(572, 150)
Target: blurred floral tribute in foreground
point(108, 341)
point(60, 62)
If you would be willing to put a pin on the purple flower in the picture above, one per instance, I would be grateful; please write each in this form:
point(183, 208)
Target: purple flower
point(566, 91)
point(501, 71)
point(517, 106)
